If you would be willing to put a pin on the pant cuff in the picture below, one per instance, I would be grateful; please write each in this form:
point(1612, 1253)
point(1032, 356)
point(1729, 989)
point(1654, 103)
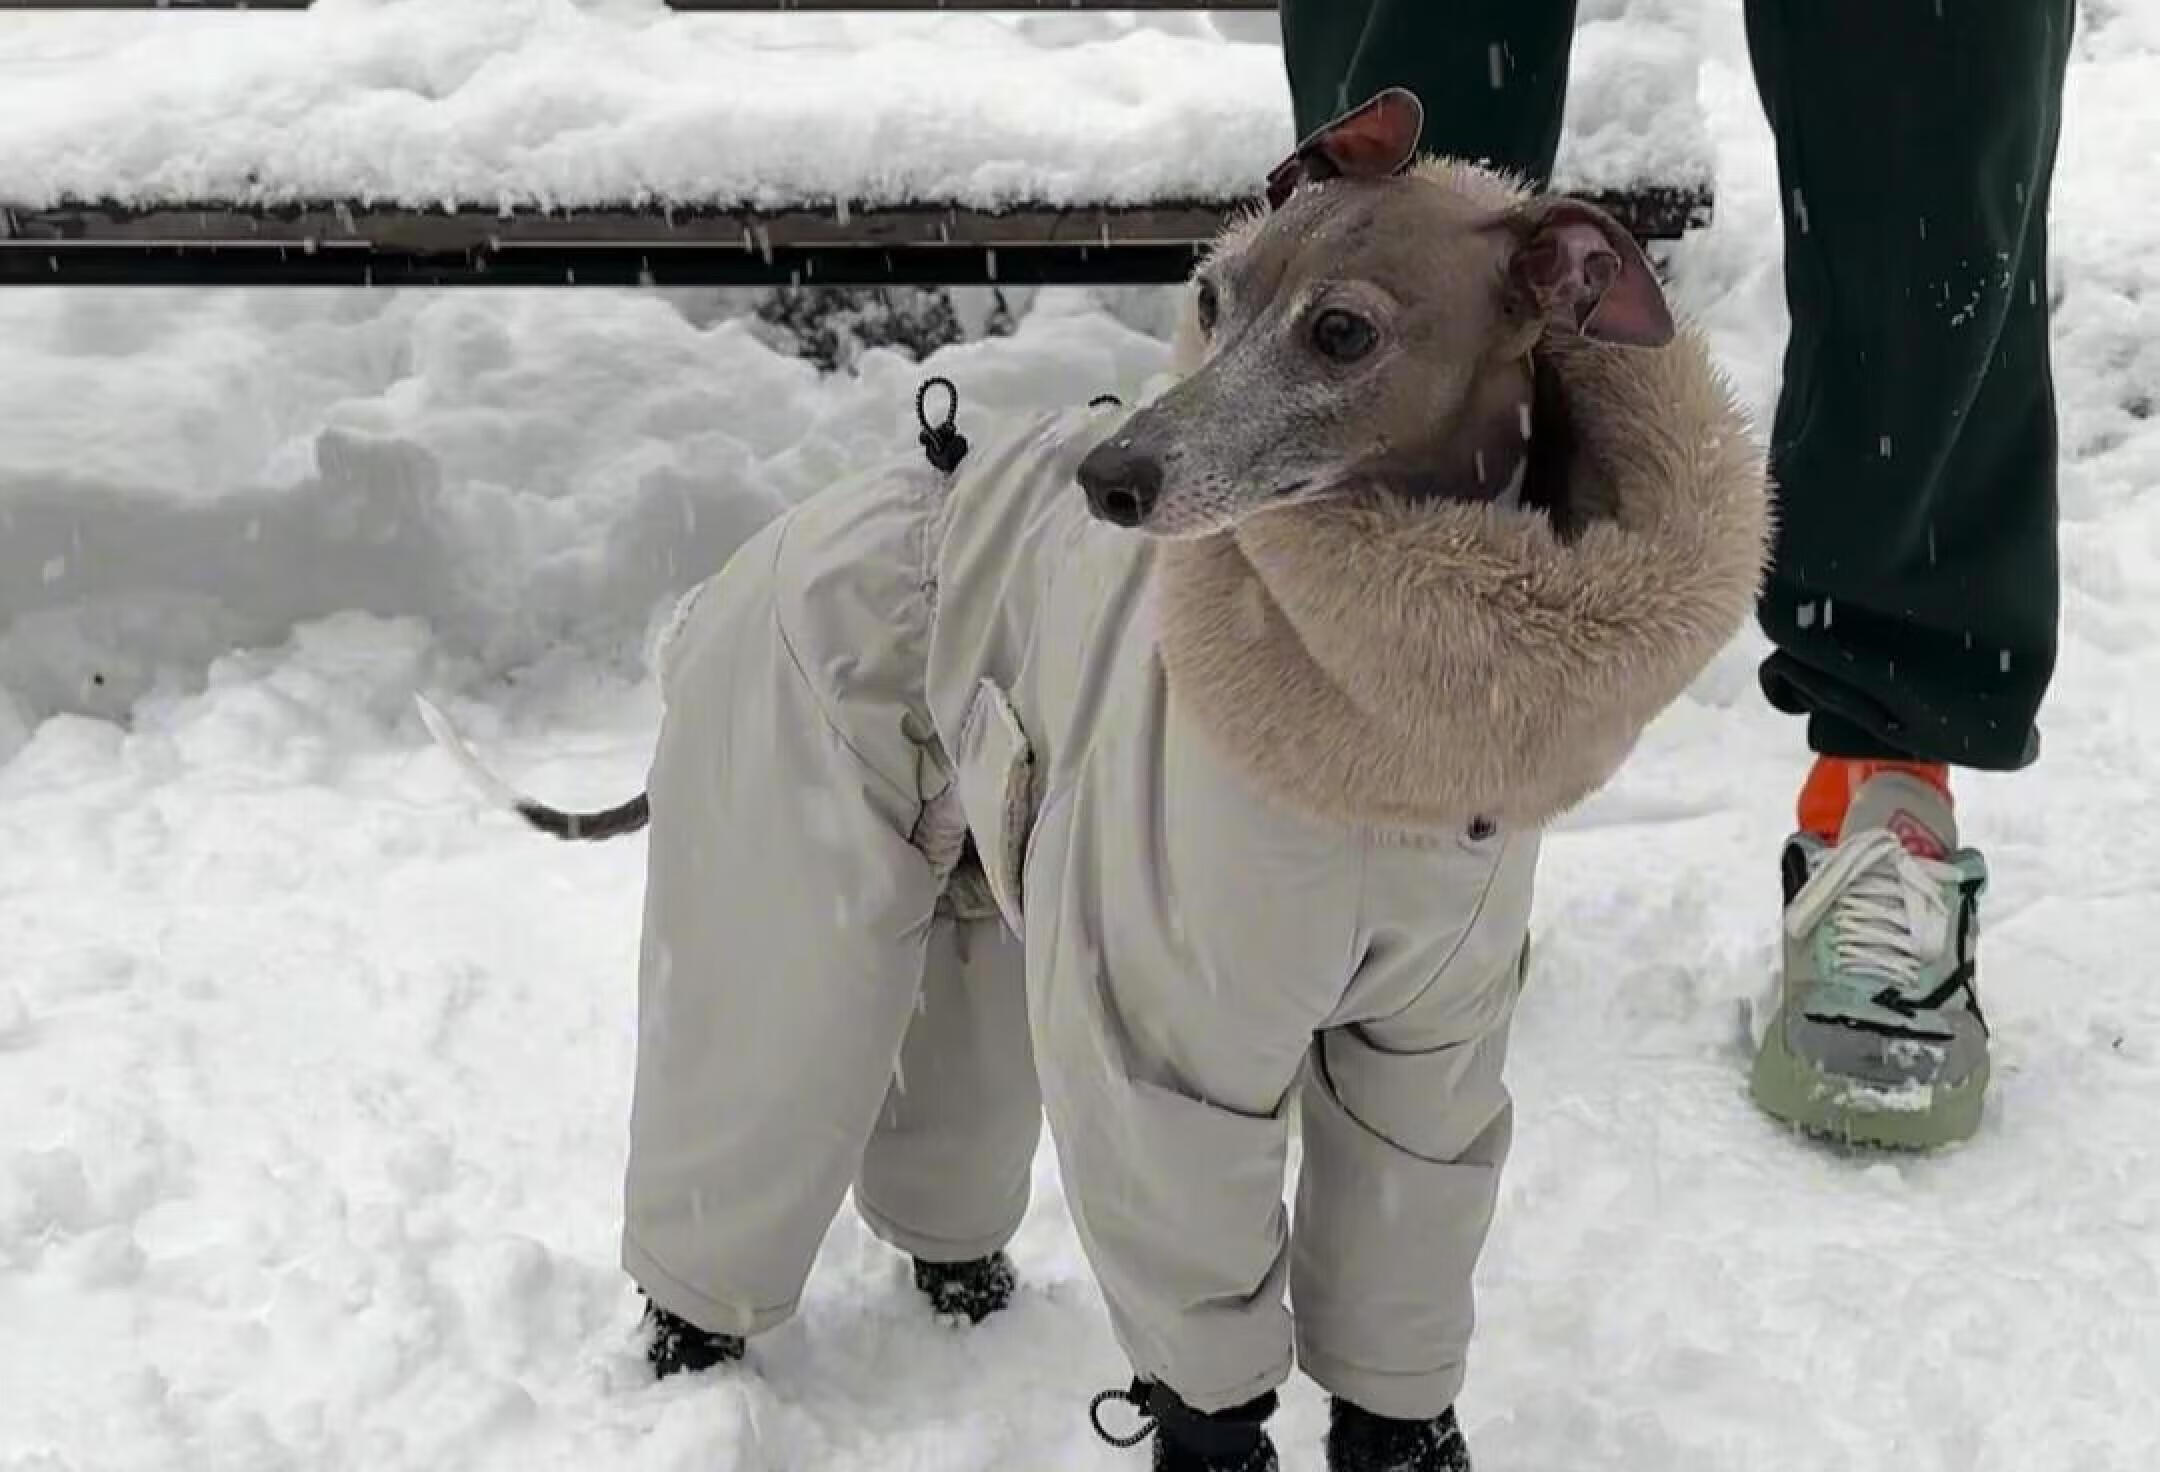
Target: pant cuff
point(1833, 735)
point(713, 1315)
point(1416, 1395)
point(932, 1248)
point(1207, 1402)
point(1841, 723)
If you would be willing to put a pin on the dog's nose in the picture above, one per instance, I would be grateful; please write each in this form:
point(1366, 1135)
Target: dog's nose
point(1122, 484)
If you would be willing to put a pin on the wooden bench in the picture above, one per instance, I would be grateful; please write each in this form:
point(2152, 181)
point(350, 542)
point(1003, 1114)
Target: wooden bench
point(303, 234)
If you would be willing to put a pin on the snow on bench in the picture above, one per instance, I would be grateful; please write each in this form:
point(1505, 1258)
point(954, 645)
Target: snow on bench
point(631, 142)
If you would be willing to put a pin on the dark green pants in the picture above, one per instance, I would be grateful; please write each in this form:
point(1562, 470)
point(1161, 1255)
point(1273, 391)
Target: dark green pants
point(1913, 600)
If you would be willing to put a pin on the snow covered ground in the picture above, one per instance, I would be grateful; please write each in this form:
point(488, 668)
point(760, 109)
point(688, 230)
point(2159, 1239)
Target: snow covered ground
point(313, 1074)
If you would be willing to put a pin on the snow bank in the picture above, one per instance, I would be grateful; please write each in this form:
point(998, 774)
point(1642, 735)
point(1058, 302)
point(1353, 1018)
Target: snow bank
point(185, 474)
point(501, 103)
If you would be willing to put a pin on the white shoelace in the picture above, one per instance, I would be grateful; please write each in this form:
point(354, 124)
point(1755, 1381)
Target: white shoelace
point(1886, 909)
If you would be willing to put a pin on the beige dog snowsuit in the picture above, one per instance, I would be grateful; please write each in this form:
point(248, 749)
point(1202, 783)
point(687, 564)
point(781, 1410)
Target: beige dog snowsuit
point(1263, 837)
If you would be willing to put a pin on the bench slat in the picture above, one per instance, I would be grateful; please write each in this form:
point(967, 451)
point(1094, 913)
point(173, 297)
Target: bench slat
point(327, 244)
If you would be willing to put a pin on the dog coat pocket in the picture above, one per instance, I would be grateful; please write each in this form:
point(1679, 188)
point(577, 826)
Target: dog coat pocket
point(995, 770)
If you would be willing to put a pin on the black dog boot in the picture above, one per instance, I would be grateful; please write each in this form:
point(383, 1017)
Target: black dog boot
point(1187, 1440)
point(1359, 1441)
point(675, 1344)
point(973, 1290)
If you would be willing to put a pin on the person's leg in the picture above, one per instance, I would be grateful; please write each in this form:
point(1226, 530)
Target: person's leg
point(1913, 598)
point(1492, 74)
point(946, 1173)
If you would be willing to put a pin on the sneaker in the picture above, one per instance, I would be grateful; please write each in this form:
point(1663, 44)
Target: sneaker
point(1878, 1038)
point(1187, 1440)
point(1359, 1441)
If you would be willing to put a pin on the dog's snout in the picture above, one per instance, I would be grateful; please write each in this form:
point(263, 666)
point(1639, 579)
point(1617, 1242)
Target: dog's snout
point(1122, 484)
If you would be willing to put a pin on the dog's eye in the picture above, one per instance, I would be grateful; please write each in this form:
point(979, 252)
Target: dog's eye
point(1209, 306)
point(1343, 336)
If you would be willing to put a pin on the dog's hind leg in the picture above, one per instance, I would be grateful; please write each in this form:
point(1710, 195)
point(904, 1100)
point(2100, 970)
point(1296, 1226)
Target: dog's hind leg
point(946, 1172)
point(786, 923)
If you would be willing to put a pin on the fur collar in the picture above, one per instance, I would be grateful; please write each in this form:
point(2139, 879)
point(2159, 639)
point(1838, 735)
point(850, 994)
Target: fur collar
point(1412, 666)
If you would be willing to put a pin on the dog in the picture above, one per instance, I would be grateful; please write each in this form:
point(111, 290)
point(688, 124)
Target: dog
point(1156, 771)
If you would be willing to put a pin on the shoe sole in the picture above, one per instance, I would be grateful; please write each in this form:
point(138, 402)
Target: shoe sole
point(1833, 1107)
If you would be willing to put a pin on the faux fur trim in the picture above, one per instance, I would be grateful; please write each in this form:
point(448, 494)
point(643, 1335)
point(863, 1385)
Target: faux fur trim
point(1414, 666)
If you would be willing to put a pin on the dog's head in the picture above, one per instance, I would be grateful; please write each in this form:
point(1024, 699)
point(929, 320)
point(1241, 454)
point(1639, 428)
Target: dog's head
point(1372, 329)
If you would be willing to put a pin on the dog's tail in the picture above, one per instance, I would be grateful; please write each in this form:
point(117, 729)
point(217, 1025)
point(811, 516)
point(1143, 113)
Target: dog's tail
point(612, 822)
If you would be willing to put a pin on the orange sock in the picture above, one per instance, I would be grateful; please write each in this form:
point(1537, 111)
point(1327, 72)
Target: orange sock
point(1830, 787)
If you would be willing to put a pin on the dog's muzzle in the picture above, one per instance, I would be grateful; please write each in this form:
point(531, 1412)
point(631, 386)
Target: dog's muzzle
point(1122, 484)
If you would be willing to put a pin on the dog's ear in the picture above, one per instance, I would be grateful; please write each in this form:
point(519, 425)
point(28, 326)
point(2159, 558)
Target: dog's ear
point(1368, 142)
point(1576, 265)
